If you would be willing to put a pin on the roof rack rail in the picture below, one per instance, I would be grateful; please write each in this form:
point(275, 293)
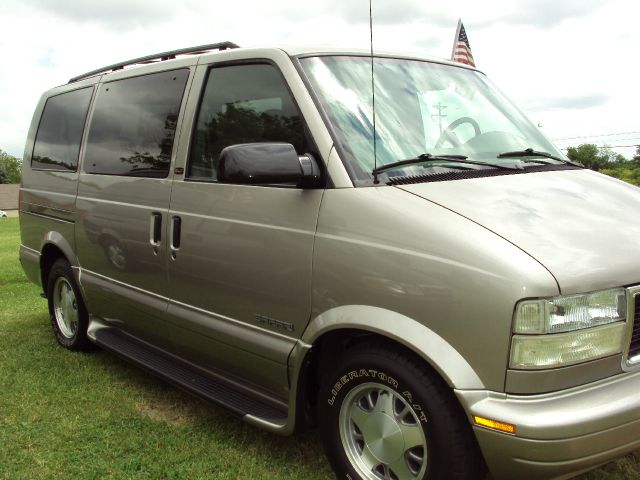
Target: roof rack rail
point(157, 57)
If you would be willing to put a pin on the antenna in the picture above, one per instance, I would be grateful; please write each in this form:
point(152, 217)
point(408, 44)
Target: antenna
point(455, 39)
point(373, 98)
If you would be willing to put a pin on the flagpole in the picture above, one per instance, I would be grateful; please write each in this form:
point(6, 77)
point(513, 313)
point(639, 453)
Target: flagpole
point(455, 39)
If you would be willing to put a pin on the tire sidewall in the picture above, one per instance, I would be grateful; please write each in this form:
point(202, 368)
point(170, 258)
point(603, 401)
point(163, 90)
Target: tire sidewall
point(62, 269)
point(371, 369)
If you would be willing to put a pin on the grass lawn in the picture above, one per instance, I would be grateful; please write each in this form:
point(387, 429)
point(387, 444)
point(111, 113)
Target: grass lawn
point(68, 415)
point(92, 416)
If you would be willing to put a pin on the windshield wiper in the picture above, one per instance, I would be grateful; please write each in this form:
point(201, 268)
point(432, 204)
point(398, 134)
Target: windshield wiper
point(530, 152)
point(427, 157)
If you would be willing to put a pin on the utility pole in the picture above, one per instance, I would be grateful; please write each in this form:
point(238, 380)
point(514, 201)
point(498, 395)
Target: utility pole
point(440, 115)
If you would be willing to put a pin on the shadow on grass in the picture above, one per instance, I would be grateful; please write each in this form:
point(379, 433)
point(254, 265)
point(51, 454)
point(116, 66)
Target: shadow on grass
point(61, 406)
point(162, 402)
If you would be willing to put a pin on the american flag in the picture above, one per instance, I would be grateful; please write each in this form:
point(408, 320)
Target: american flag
point(461, 48)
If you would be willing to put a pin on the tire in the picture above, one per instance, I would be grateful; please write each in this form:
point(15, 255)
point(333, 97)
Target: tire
point(383, 416)
point(68, 314)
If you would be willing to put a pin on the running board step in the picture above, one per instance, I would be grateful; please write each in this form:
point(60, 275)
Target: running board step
point(186, 377)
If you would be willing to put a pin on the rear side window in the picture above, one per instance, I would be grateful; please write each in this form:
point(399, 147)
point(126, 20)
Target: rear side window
point(134, 124)
point(242, 104)
point(57, 144)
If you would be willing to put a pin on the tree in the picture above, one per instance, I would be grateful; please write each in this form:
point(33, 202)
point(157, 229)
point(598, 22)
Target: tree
point(10, 168)
point(626, 173)
point(613, 159)
point(588, 155)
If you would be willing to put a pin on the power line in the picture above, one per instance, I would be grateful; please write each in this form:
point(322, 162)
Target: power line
point(618, 146)
point(626, 139)
point(607, 146)
point(619, 137)
point(595, 136)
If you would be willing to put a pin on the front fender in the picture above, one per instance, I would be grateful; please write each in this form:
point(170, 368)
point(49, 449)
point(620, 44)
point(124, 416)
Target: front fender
point(453, 368)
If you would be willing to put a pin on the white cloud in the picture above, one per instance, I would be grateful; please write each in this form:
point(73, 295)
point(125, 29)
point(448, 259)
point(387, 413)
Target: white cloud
point(121, 14)
point(571, 102)
point(544, 14)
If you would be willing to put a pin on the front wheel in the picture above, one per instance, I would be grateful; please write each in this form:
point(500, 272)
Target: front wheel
point(69, 317)
point(383, 416)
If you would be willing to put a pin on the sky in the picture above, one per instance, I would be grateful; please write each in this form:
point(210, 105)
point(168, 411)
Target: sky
point(570, 65)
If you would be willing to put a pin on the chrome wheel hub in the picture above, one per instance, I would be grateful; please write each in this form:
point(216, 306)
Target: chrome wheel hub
point(381, 434)
point(383, 437)
point(65, 307)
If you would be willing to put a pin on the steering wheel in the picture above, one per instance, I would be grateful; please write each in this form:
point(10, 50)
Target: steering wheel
point(447, 134)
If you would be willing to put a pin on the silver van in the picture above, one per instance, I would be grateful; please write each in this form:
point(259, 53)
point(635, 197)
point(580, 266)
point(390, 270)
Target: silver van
point(435, 286)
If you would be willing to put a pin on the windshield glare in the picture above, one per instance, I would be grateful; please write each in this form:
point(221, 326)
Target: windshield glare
point(421, 107)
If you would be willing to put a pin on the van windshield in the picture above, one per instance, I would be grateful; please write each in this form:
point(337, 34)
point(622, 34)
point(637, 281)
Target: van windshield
point(421, 107)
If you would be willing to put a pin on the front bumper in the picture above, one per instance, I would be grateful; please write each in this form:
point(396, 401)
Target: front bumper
point(558, 434)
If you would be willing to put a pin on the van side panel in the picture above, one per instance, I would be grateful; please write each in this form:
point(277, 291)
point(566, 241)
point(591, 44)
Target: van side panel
point(47, 209)
point(241, 277)
point(121, 269)
point(48, 205)
point(123, 200)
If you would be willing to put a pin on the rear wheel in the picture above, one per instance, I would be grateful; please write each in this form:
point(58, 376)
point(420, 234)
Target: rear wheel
point(383, 416)
point(68, 314)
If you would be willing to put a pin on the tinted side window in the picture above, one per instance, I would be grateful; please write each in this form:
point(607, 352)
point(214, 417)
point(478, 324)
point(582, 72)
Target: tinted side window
point(242, 104)
point(59, 134)
point(133, 125)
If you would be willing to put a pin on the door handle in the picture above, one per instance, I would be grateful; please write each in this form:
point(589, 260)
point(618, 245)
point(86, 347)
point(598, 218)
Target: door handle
point(155, 230)
point(174, 244)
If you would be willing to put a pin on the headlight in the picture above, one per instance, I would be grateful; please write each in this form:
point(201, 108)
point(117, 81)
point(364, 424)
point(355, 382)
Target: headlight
point(571, 312)
point(569, 329)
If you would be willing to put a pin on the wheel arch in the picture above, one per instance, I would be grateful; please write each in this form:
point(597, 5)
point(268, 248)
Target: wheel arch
point(361, 320)
point(327, 335)
point(54, 246)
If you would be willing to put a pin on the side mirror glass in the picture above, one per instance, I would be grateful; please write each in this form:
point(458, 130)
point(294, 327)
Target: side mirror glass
point(267, 163)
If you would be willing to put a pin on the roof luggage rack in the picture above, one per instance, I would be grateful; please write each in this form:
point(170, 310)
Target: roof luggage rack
point(158, 57)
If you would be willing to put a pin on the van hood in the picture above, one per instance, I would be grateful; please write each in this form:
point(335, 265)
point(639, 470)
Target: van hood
point(582, 226)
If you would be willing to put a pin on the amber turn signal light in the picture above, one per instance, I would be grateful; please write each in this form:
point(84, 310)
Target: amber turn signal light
point(495, 425)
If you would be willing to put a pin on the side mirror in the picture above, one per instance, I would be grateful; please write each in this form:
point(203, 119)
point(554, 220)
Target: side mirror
point(267, 163)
